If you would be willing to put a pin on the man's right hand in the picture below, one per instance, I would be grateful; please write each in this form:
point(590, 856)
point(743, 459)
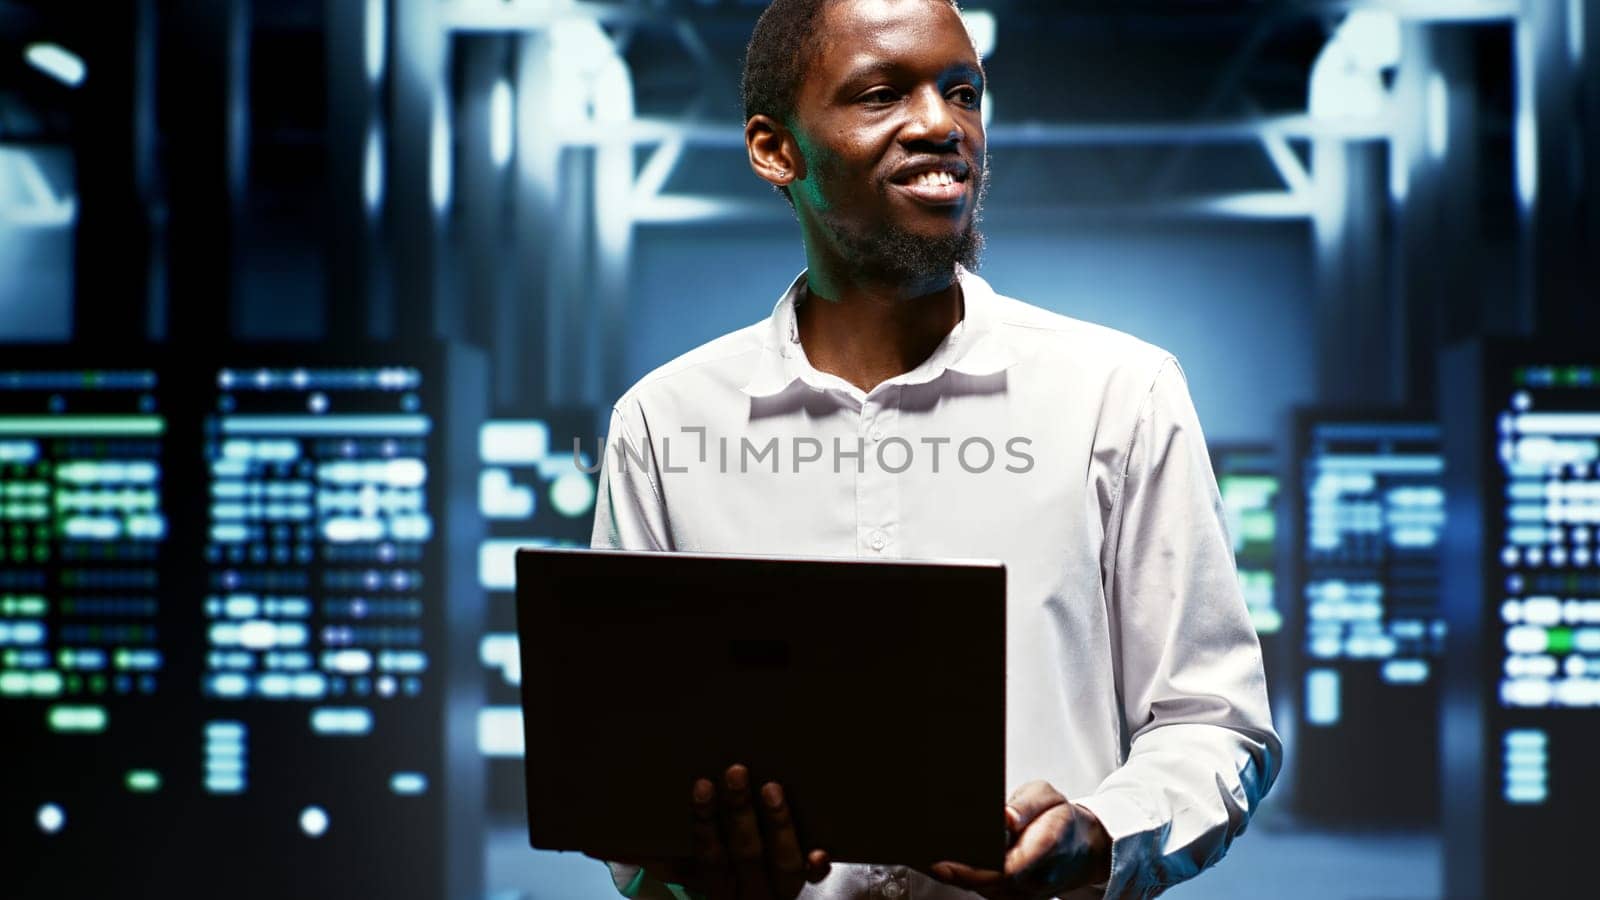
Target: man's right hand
point(745, 848)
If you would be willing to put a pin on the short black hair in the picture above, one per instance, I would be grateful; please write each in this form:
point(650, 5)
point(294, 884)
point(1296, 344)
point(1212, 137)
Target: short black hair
point(785, 40)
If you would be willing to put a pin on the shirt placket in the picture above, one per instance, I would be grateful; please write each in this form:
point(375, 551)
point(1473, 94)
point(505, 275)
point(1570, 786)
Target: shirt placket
point(878, 488)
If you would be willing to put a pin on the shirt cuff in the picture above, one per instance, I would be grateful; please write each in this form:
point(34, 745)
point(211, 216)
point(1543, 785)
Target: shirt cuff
point(1130, 827)
point(634, 882)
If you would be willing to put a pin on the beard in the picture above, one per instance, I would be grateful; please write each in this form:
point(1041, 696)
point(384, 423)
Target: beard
point(894, 254)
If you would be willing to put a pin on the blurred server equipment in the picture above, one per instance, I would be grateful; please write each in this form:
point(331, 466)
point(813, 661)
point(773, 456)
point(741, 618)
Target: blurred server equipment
point(1247, 477)
point(335, 642)
point(234, 640)
point(537, 485)
point(1368, 626)
point(1522, 712)
point(90, 601)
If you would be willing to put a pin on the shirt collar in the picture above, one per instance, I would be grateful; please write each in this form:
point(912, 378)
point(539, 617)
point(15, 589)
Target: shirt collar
point(971, 348)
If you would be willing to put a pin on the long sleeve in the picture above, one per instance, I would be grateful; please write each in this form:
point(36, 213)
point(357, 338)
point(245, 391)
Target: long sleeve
point(1201, 751)
point(629, 514)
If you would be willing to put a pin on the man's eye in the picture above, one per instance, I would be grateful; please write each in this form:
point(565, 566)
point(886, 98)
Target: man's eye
point(965, 95)
point(880, 95)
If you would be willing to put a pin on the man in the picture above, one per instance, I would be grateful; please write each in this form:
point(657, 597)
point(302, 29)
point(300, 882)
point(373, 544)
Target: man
point(1138, 734)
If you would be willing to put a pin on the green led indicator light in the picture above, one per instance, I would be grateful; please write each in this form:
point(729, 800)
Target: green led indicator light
point(44, 684)
point(78, 719)
point(1559, 640)
point(24, 605)
point(1267, 621)
point(83, 426)
point(143, 781)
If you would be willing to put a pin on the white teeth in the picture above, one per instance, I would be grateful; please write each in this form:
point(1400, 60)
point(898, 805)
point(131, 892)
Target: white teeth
point(934, 179)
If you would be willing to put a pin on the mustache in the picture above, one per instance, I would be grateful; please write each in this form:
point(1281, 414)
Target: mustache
point(977, 171)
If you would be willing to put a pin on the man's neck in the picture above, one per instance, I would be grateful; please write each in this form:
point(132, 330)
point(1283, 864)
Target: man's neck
point(867, 331)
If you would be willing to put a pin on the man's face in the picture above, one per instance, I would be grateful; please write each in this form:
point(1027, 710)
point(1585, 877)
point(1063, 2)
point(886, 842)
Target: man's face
point(888, 121)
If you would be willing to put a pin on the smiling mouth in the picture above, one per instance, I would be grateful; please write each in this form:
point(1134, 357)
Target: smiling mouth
point(939, 188)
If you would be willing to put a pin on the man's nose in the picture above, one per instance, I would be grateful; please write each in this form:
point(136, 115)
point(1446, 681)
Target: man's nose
point(930, 119)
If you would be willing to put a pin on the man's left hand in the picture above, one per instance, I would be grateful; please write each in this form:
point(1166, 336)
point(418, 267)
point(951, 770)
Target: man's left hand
point(1056, 846)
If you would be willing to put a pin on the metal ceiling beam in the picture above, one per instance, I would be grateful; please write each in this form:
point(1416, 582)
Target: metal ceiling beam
point(700, 133)
point(1422, 11)
point(687, 209)
point(498, 15)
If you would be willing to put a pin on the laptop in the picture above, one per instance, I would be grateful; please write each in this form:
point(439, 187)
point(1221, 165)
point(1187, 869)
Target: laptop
point(873, 691)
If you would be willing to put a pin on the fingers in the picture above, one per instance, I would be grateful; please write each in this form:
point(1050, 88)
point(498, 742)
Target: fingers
point(818, 865)
point(987, 882)
point(711, 860)
point(1037, 816)
point(744, 835)
point(745, 843)
point(1036, 858)
point(1029, 802)
point(783, 847)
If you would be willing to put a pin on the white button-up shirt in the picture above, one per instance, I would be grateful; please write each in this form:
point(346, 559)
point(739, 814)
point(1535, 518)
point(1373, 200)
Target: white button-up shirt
point(1068, 451)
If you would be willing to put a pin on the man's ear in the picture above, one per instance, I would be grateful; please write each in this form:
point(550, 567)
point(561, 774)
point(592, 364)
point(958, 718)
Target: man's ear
point(774, 153)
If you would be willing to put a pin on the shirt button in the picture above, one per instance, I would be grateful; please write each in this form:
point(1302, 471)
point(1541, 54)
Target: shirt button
point(879, 540)
point(891, 890)
point(876, 435)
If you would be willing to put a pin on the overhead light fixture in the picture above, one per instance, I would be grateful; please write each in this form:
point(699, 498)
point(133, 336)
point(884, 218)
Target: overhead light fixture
point(1438, 116)
point(1527, 156)
point(1575, 31)
point(500, 124)
point(372, 171)
point(58, 62)
point(377, 39)
point(439, 155)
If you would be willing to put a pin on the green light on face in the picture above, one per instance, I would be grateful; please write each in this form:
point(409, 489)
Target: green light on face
point(78, 719)
point(143, 781)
